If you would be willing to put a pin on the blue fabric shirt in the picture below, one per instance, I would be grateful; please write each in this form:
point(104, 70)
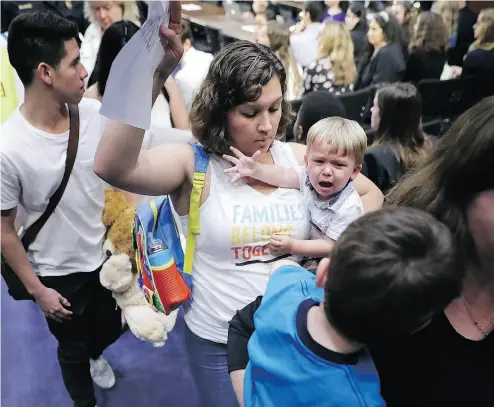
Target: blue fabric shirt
point(288, 368)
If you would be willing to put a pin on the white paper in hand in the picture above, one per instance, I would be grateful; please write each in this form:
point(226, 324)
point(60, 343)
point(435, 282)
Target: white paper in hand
point(128, 91)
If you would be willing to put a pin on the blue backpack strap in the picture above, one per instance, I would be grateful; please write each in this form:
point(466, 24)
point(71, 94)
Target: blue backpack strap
point(201, 158)
point(200, 167)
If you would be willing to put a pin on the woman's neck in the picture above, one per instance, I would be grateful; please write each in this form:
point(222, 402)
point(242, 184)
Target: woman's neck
point(478, 282)
point(326, 335)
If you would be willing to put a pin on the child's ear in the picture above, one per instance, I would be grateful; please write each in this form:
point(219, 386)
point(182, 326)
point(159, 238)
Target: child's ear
point(356, 171)
point(322, 272)
point(306, 160)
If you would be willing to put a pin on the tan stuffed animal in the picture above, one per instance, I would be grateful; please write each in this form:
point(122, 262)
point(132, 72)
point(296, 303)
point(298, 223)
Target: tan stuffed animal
point(119, 274)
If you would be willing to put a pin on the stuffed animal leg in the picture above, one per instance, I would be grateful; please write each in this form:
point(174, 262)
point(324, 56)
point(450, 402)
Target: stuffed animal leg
point(143, 321)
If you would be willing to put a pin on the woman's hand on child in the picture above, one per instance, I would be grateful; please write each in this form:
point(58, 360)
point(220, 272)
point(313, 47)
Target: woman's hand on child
point(280, 243)
point(243, 166)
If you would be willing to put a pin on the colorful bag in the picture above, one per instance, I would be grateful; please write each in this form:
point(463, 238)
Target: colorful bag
point(164, 272)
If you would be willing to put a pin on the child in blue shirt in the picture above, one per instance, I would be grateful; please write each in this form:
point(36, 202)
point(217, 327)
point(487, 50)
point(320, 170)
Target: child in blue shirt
point(390, 271)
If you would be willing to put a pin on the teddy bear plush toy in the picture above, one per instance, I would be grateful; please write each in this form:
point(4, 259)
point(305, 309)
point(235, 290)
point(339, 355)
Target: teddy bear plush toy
point(119, 274)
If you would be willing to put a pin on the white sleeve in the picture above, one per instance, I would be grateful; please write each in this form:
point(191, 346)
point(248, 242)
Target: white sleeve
point(342, 219)
point(10, 184)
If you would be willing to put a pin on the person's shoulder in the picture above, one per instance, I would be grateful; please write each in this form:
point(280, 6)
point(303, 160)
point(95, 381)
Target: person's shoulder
point(93, 31)
point(92, 92)
point(10, 130)
point(298, 149)
point(89, 104)
point(350, 204)
point(285, 275)
point(89, 109)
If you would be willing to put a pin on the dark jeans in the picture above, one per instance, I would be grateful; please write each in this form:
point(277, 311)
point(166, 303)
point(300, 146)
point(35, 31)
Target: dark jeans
point(94, 325)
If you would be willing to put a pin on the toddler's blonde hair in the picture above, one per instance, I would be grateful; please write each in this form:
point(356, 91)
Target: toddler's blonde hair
point(341, 135)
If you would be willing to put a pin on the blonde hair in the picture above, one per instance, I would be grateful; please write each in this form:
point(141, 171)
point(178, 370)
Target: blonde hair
point(340, 134)
point(130, 11)
point(486, 39)
point(448, 10)
point(336, 44)
point(279, 42)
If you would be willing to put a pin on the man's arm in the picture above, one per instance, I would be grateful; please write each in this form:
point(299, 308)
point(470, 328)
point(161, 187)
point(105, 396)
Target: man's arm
point(14, 253)
point(50, 301)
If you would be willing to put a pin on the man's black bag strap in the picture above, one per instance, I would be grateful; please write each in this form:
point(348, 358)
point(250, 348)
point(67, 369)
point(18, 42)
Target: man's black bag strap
point(34, 229)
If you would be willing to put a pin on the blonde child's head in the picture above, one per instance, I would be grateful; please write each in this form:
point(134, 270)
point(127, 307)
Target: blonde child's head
point(335, 153)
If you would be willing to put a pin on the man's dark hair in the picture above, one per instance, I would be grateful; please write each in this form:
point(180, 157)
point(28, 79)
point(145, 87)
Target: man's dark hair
point(390, 272)
point(316, 106)
point(315, 9)
point(185, 31)
point(35, 38)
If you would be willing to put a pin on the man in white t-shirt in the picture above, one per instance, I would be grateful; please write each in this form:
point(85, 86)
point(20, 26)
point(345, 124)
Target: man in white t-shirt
point(192, 70)
point(305, 42)
point(61, 267)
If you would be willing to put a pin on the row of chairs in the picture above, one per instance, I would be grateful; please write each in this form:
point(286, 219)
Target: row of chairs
point(442, 101)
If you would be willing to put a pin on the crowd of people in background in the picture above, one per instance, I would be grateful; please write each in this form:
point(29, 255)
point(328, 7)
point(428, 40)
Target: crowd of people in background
point(251, 326)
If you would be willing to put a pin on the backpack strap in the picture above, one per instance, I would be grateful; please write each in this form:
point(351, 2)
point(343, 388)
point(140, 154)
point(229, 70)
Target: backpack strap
point(194, 228)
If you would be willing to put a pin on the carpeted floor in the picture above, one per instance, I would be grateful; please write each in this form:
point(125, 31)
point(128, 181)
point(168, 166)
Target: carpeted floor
point(30, 375)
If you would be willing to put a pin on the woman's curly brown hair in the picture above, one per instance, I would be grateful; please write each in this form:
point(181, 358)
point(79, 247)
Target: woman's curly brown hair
point(236, 76)
point(431, 34)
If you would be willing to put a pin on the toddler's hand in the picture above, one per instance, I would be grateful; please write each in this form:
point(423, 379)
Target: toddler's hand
point(280, 243)
point(243, 166)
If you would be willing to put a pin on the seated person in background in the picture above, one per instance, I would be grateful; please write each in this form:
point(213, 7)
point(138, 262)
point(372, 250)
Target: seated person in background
point(335, 11)
point(168, 107)
point(334, 69)
point(389, 273)
point(399, 142)
point(428, 48)
point(277, 37)
point(356, 23)
point(192, 69)
point(335, 151)
point(480, 58)
point(402, 10)
point(387, 63)
point(304, 35)
point(102, 14)
point(315, 106)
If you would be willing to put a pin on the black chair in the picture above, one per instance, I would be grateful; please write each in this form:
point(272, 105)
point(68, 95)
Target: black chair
point(226, 39)
point(200, 39)
point(357, 104)
point(296, 105)
point(435, 127)
point(447, 100)
point(290, 14)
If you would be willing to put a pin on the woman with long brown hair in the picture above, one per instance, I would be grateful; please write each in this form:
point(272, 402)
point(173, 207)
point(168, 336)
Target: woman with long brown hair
point(399, 142)
point(334, 69)
point(449, 361)
point(428, 48)
point(277, 37)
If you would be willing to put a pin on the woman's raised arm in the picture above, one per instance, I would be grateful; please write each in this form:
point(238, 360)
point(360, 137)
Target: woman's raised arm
point(119, 160)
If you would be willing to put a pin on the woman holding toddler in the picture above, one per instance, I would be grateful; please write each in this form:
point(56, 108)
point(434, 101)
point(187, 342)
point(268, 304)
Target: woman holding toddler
point(240, 104)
